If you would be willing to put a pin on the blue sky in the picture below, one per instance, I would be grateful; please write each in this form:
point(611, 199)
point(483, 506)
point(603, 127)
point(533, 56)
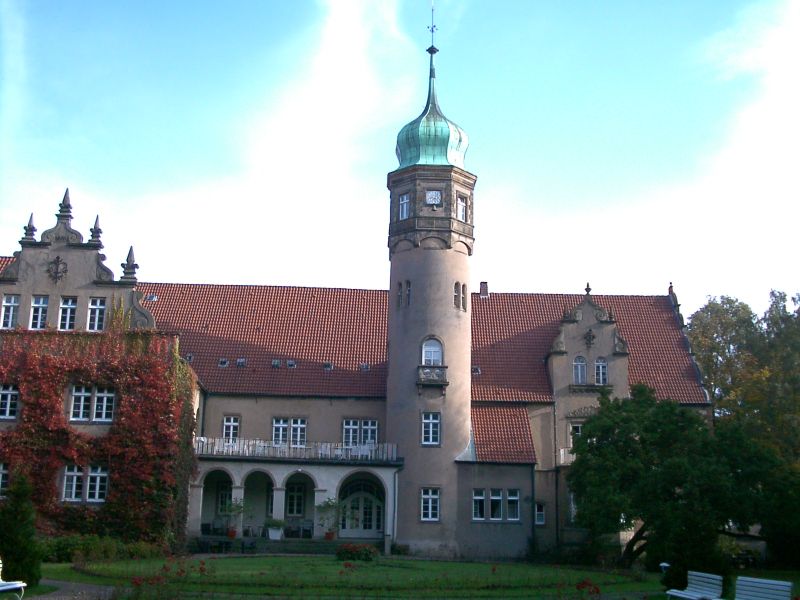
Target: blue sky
point(624, 143)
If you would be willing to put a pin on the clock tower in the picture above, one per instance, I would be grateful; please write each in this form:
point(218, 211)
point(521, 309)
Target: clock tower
point(429, 324)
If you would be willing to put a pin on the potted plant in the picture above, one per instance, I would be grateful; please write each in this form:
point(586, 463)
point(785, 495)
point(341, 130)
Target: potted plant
point(232, 512)
point(275, 528)
point(328, 513)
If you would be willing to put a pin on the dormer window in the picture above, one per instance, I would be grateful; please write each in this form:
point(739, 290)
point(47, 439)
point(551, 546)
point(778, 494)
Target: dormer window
point(432, 353)
point(579, 371)
point(601, 371)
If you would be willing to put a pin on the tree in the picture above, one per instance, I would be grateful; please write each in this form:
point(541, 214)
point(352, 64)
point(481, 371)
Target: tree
point(652, 465)
point(752, 369)
point(18, 548)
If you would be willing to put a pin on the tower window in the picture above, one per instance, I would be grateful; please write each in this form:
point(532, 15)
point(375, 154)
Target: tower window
point(457, 294)
point(403, 207)
point(601, 371)
point(461, 208)
point(399, 294)
point(432, 353)
point(431, 428)
point(408, 293)
point(579, 371)
point(463, 296)
point(429, 504)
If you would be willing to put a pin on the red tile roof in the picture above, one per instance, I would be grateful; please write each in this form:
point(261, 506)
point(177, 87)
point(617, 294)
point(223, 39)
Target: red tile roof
point(5, 261)
point(512, 334)
point(502, 433)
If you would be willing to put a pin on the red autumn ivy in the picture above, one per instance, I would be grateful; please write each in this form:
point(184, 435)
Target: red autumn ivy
point(147, 449)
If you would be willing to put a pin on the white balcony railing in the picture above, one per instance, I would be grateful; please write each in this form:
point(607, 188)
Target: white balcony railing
point(323, 451)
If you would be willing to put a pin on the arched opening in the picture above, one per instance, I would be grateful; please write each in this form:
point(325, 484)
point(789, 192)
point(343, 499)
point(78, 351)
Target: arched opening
point(299, 506)
point(217, 499)
point(363, 507)
point(258, 498)
point(432, 352)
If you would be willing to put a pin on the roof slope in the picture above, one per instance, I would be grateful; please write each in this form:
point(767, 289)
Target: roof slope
point(512, 334)
point(502, 433)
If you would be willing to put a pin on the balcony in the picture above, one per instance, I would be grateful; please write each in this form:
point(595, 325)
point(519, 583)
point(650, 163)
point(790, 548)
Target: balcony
point(565, 457)
point(432, 375)
point(329, 452)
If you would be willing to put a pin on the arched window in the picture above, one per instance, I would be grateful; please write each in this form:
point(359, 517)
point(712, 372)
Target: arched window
point(579, 371)
point(601, 371)
point(456, 295)
point(432, 353)
point(463, 296)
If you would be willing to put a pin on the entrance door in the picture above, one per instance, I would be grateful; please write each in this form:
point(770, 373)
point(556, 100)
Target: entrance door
point(362, 516)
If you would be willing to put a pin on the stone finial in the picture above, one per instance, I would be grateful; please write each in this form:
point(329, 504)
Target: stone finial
point(65, 208)
point(129, 267)
point(96, 231)
point(588, 289)
point(30, 229)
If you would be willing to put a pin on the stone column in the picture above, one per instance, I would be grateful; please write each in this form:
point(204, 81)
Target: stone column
point(237, 498)
point(278, 503)
point(195, 509)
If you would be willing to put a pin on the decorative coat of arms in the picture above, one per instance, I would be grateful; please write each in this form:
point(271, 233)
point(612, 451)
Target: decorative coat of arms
point(57, 269)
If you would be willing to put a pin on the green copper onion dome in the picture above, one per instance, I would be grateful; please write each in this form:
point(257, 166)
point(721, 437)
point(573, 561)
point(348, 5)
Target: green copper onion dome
point(431, 138)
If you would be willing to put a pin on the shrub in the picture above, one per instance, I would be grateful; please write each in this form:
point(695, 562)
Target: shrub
point(365, 552)
point(18, 547)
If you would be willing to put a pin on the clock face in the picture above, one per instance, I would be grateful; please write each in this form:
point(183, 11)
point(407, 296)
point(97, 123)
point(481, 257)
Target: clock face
point(433, 197)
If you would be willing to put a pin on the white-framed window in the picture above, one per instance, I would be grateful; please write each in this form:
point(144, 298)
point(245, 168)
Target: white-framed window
point(295, 499)
point(10, 311)
point(512, 504)
point(350, 431)
point(461, 208)
point(429, 504)
point(81, 403)
point(579, 371)
point(431, 428)
point(3, 479)
point(359, 431)
point(98, 484)
point(540, 514)
point(97, 314)
point(403, 207)
point(369, 431)
point(66, 313)
point(73, 483)
point(298, 432)
point(230, 428)
point(9, 401)
point(104, 404)
point(575, 430)
point(432, 352)
point(280, 431)
point(39, 312)
point(496, 504)
point(601, 371)
point(478, 504)
point(457, 295)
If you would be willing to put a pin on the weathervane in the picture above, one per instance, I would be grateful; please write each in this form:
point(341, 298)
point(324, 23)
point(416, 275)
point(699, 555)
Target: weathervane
point(432, 28)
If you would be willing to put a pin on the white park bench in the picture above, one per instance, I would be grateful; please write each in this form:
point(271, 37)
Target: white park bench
point(699, 585)
point(751, 588)
point(16, 587)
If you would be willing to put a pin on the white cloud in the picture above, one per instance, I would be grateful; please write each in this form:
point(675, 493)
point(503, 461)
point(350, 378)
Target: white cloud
point(731, 230)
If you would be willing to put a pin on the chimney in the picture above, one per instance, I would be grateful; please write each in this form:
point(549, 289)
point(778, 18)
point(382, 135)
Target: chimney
point(484, 289)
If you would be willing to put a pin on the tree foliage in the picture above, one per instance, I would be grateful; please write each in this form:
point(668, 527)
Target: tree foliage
point(654, 466)
point(18, 548)
point(751, 366)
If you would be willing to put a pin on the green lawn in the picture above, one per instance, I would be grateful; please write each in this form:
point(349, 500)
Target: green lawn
point(307, 576)
point(324, 576)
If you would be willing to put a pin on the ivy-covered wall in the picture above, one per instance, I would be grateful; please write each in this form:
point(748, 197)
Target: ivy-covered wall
point(148, 448)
